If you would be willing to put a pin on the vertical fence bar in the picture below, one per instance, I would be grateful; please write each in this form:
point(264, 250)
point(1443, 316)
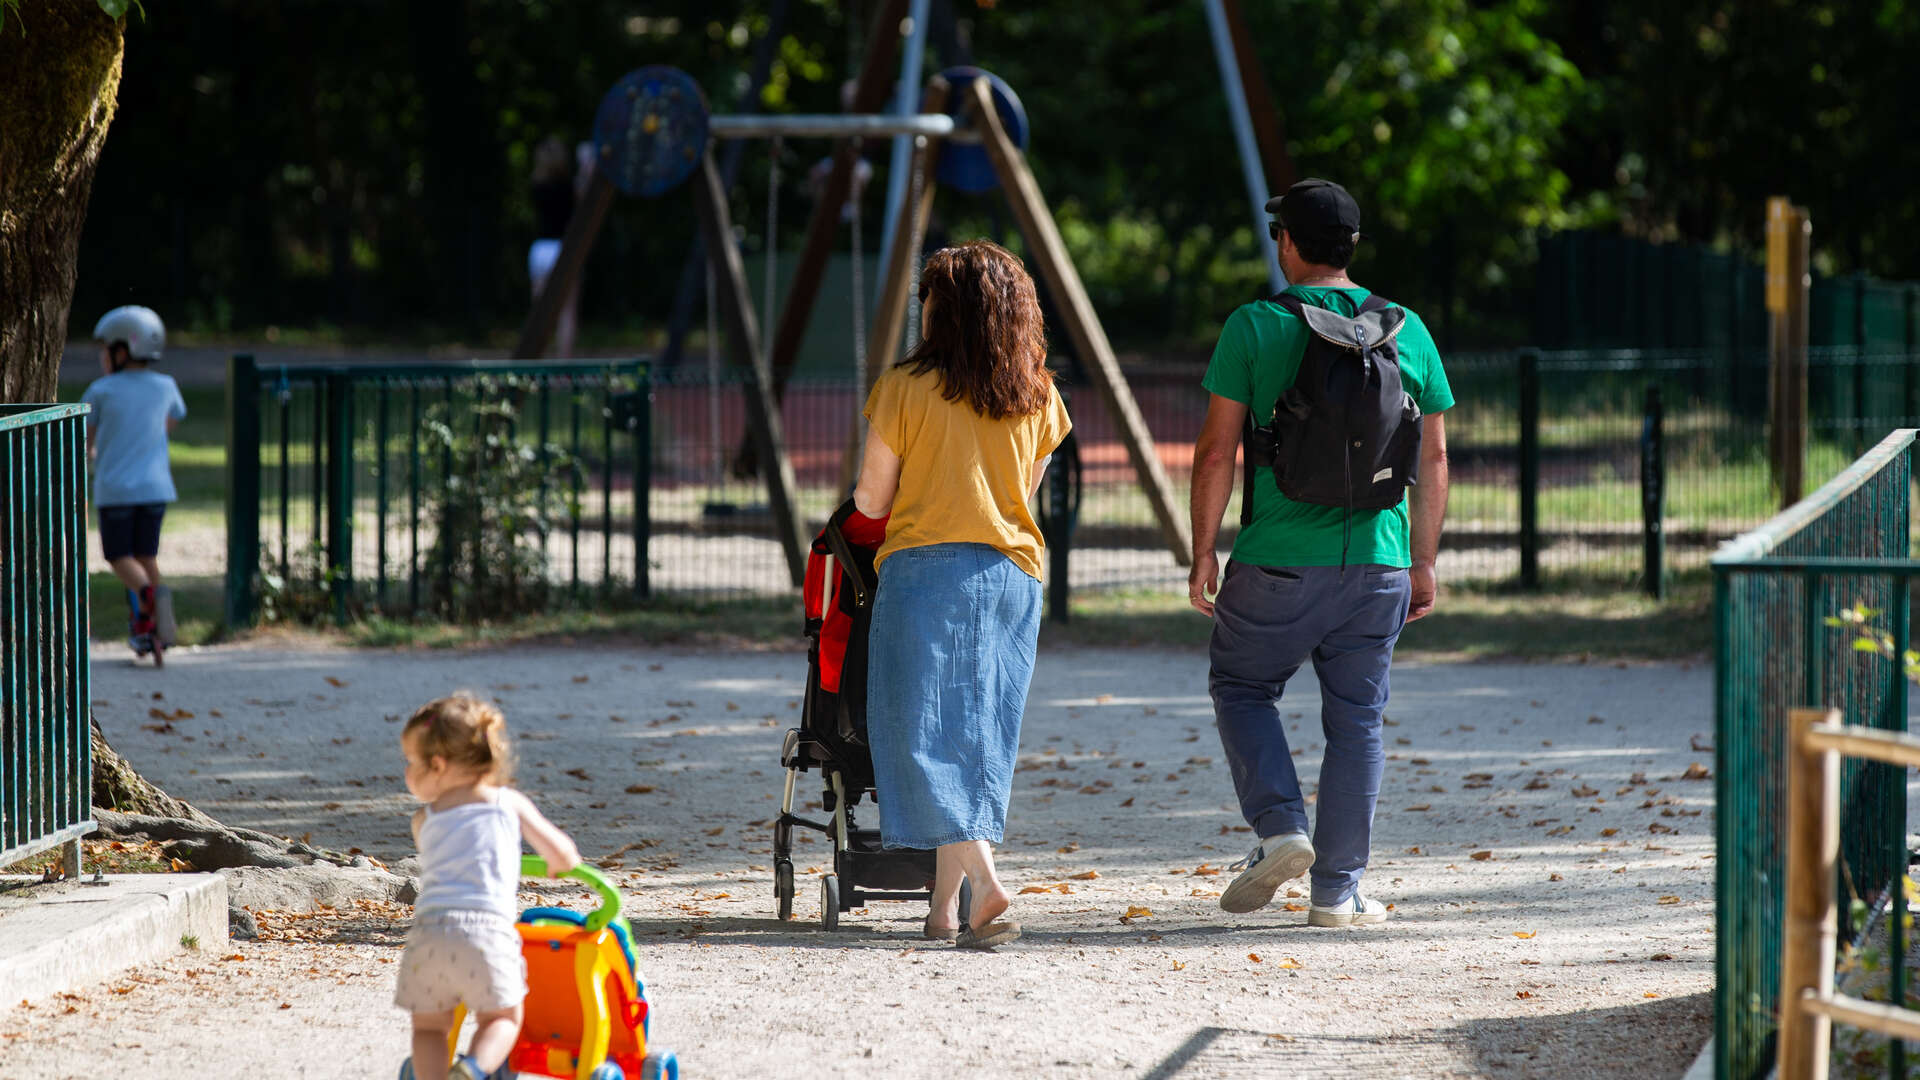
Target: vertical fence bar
point(573, 511)
point(642, 482)
point(413, 497)
point(441, 539)
point(283, 399)
point(1529, 470)
point(319, 467)
point(606, 485)
point(243, 487)
point(339, 393)
point(1653, 495)
point(1897, 815)
point(381, 387)
point(545, 465)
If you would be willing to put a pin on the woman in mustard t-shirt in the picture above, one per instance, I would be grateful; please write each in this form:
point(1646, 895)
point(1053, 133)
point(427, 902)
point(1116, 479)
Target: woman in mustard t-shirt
point(961, 433)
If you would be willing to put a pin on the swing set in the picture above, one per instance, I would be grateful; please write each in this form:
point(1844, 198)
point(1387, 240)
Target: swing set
point(654, 131)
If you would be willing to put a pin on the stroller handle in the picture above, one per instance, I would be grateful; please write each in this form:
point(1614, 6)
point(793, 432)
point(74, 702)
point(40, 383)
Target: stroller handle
point(600, 917)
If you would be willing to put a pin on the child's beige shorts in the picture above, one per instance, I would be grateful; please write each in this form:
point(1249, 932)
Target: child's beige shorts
point(455, 957)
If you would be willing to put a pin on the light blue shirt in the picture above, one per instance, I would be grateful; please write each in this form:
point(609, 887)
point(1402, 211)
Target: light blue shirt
point(129, 421)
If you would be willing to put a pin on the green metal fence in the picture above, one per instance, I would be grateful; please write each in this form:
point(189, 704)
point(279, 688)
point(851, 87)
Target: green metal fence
point(46, 749)
point(460, 489)
point(1845, 547)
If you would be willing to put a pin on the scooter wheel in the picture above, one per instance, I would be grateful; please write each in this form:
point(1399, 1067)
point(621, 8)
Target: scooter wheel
point(607, 1071)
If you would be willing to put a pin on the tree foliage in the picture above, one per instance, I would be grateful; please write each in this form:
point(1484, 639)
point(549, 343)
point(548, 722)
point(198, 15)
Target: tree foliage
point(301, 163)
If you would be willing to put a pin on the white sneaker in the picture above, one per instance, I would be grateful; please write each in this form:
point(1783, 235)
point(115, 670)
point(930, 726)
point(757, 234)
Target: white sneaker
point(1272, 861)
point(1355, 910)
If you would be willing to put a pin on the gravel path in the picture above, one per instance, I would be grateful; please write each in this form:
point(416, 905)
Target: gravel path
point(1550, 871)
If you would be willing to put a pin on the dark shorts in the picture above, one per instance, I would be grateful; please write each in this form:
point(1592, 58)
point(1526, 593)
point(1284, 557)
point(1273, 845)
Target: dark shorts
point(131, 530)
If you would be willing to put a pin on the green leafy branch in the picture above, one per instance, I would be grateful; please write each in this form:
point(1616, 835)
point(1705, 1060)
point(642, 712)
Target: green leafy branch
point(1869, 638)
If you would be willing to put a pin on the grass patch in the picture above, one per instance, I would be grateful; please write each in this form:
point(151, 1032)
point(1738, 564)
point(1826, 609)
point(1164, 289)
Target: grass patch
point(198, 607)
point(1569, 623)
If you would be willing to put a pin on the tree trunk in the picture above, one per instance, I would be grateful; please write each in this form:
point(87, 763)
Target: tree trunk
point(59, 81)
point(117, 786)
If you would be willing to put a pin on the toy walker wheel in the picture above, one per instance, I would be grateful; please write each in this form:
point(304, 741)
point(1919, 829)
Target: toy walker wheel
point(660, 1065)
point(607, 1071)
point(830, 902)
point(406, 1069)
point(783, 887)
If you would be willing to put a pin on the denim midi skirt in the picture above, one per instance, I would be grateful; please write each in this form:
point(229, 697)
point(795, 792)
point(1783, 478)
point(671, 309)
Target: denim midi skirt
point(949, 662)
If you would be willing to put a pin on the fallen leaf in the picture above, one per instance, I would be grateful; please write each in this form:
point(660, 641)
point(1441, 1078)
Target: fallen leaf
point(1129, 801)
point(1481, 856)
point(334, 681)
point(181, 866)
point(1289, 963)
point(1697, 771)
point(1656, 827)
point(1661, 956)
point(1561, 831)
point(716, 830)
point(1135, 912)
point(283, 1004)
point(1084, 875)
point(1417, 807)
point(639, 789)
point(1523, 993)
point(580, 678)
point(1034, 889)
point(1538, 783)
point(1650, 994)
point(1415, 850)
point(1585, 792)
point(1700, 744)
point(1203, 870)
point(1070, 848)
point(1525, 934)
point(1669, 900)
point(1608, 832)
point(1205, 893)
point(1290, 906)
point(1254, 956)
point(1178, 966)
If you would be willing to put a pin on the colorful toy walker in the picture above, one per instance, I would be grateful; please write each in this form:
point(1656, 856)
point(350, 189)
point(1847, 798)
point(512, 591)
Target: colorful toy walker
point(586, 1008)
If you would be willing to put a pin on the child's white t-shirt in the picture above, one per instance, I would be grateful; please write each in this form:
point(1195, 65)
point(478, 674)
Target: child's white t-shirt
point(470, 856)
point(130, 413)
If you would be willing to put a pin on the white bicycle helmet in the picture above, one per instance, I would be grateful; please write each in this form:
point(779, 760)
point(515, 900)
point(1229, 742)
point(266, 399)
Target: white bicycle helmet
point(142, 331)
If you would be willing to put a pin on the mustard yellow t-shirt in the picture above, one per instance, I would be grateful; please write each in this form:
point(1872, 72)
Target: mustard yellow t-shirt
point(963, 477)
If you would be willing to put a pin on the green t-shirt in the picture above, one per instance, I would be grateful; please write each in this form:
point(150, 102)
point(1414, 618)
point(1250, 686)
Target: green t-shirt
point(1254, 362)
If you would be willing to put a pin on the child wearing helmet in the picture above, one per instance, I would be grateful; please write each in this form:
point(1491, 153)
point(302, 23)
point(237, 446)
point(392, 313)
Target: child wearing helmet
point(134, 410)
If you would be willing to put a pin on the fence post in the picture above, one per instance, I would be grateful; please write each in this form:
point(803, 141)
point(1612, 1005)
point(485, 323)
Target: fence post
point(1529, 469)
point(339, 473)
point(243, 487)
point(1058, 513)
point(1653, 495)
point(642, 420)
point(1810, 927)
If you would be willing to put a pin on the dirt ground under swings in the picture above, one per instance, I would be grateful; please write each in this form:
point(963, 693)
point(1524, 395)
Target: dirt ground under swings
point(1548, 860)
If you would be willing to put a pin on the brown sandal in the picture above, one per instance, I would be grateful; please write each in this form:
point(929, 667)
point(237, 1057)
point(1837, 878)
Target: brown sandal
point(986, 937)
point(938, 933)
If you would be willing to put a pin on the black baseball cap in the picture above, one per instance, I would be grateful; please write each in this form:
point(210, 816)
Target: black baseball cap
point(1316, 208)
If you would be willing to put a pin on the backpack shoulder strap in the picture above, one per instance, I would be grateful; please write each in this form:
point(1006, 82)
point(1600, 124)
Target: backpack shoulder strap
point(1373, 302)
point(1289, 301)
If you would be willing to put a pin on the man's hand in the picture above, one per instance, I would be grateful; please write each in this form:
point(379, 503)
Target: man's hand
point(1424, 584)
point(1203, 583)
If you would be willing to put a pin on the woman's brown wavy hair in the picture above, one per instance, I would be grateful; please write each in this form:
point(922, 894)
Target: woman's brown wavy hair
point(986, 339)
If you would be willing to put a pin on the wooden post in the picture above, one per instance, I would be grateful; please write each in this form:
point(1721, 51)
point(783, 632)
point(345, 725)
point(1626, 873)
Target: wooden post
point(890, 314)
point(582, 230)
point(1810, 927)
point(1049, 257)
point(1789, 232)
point(743, 344)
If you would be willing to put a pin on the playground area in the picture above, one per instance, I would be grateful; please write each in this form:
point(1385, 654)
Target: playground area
point(1542, 834)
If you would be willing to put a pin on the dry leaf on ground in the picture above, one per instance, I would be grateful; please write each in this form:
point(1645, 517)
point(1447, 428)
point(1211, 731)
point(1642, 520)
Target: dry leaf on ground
point(1481, 856)
point(1289, 963)
point(1084, 875)
point(1524, 933)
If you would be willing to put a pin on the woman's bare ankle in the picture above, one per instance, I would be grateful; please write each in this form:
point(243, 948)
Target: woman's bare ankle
point(988, 905)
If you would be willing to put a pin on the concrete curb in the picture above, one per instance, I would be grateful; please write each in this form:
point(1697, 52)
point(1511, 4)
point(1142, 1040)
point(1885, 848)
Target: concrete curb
point(61, 936)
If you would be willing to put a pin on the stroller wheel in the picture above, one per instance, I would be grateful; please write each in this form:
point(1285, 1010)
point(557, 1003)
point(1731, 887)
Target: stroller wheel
point(607, 1071)
point(660, 1065)
point(783, 887)
point(830, 902)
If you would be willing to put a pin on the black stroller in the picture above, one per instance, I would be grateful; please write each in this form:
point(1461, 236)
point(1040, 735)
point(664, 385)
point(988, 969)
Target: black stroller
point(832, 736)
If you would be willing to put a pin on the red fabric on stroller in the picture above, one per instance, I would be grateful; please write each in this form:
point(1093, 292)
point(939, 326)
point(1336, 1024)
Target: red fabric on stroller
point(826, 584)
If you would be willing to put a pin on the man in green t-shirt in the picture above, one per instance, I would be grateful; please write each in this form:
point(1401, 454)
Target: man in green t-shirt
point(1308, 582)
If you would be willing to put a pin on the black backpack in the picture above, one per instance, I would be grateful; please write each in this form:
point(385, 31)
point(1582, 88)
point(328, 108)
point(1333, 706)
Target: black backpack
point(1345, 433)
